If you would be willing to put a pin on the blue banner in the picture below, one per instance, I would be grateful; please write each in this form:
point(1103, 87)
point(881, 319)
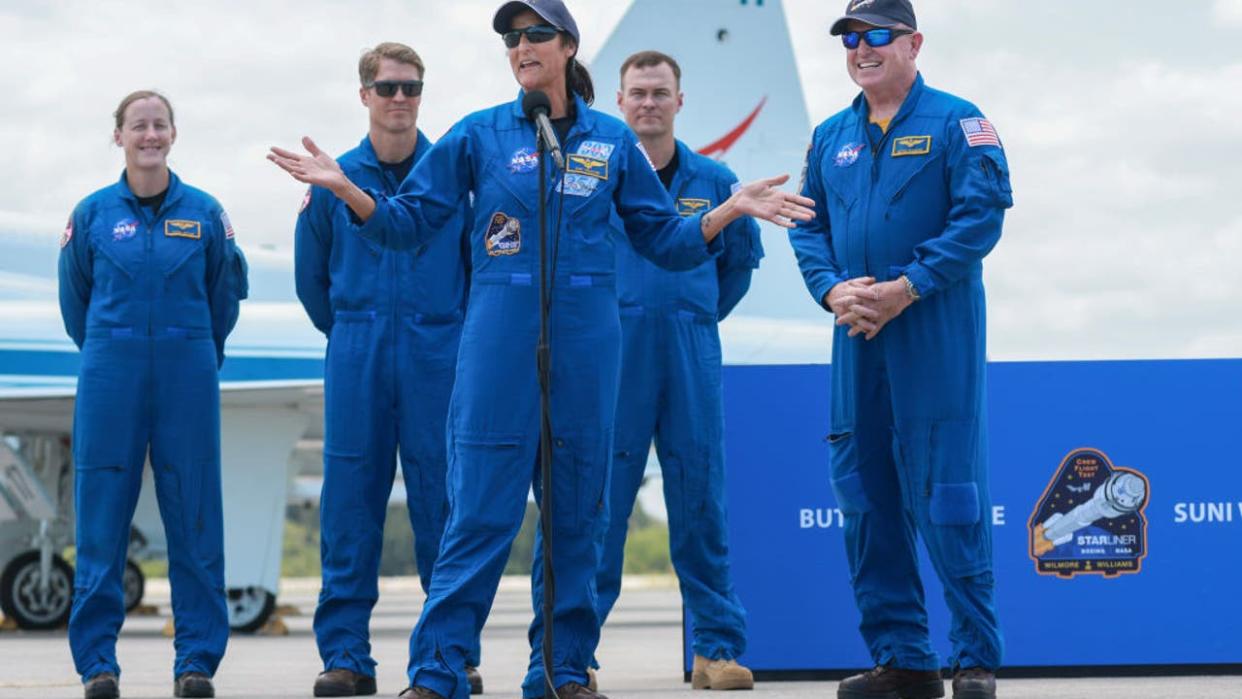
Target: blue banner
point(1117, 519)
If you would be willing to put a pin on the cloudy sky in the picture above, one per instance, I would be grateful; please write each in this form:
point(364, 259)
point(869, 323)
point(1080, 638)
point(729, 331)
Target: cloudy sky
point(1122, 121)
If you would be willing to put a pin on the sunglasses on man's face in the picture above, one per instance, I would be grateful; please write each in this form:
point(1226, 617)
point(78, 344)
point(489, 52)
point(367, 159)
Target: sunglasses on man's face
point(875, 38)
point(388, 88)
point(535, 34)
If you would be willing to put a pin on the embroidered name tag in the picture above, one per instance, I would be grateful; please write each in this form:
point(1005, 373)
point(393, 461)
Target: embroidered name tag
point(911, 145)
point(177, 228)
point(578, 164)
point(690, 207)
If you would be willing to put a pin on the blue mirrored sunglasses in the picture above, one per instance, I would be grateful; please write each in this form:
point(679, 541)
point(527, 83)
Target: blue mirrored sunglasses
point(875, 38)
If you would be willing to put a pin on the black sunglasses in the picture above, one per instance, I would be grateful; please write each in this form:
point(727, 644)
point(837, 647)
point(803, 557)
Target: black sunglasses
point(874, 37)
point(388, 88)
point(535, 34)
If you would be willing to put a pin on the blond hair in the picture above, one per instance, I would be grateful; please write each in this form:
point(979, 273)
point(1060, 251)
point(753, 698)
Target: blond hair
point(369, 63)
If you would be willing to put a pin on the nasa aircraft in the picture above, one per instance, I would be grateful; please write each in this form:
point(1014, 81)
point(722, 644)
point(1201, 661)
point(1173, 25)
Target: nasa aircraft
point(744, 106)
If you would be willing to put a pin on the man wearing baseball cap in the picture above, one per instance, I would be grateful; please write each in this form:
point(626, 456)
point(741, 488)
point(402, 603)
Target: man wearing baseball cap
point(911, 186)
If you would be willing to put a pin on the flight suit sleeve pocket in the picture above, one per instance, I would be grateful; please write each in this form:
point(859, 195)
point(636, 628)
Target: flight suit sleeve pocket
point(996, 176)
point(847, 484)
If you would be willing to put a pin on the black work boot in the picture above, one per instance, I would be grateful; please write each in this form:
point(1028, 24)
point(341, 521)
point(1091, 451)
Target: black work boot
point(102, 686)
point(475, 679)
point(193, 684)
point(573, 690)
point(974, 683)
point(339, 682)
point(418, 693)
point(892, 683)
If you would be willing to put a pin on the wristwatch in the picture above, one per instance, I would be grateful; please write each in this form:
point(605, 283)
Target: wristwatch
point(911, 290)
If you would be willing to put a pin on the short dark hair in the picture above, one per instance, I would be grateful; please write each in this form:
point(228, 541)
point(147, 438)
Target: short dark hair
point(650, 59)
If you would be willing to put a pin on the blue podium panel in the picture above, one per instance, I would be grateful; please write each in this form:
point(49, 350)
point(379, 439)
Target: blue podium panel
point(1117, 516)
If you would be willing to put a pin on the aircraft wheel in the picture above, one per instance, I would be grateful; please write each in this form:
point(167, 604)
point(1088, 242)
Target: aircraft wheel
point(135, 584)
point(249, 608)
point(31, 605)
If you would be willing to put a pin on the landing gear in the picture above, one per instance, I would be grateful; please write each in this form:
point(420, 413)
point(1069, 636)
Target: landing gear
point(249, 608)
point(134, 584)
point(35, 600)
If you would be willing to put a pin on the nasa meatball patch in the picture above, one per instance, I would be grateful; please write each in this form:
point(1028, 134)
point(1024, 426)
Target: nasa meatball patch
point(67, 234)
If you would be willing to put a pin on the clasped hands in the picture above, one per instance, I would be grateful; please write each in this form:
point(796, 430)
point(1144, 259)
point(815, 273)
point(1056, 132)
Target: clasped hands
point(867, 305)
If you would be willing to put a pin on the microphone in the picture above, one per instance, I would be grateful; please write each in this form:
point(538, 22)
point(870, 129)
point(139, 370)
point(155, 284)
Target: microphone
point(537, 106)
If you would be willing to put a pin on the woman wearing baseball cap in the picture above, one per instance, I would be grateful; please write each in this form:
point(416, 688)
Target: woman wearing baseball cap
point(494, 418)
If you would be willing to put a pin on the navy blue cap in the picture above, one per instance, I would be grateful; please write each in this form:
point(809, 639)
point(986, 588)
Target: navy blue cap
point(553, 12)
point(877, 13)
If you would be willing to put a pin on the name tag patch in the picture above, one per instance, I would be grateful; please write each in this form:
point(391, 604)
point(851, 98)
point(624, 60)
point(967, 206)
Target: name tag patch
point(178, 228)
point(578, 164)
point(690, 207)
point(504, 235)
point(595, 149)
point(579, 185)
point(911, 145)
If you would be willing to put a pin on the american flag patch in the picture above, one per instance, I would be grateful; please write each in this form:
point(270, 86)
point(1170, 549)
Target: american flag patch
point(228, 226)
point(979, 132)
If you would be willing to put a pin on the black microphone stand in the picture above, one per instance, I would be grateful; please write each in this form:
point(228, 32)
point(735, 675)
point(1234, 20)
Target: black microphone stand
point(543, 360)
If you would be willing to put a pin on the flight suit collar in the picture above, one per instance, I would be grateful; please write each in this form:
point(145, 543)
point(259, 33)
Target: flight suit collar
point(175, 190)
point(584, 118)
point(367, 156)
point(863, 110)
point(687, 168)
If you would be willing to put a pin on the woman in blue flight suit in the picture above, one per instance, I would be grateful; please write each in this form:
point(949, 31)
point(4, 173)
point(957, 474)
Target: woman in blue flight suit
point(493, 424)
point(150, 281)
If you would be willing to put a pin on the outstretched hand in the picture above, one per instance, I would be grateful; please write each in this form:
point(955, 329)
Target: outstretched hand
point(316, 168)
point(763, 200)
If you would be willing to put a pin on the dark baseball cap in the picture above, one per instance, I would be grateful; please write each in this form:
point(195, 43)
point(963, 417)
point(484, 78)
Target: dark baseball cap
point(553, 12)
point(877, 13)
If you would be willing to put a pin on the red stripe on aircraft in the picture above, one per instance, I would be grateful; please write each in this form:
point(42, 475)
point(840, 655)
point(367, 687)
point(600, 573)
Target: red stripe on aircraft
point(726, 142)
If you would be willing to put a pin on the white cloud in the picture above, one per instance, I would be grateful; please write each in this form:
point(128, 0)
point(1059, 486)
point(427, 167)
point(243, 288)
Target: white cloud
point(1228, 12)
point(1122, 242)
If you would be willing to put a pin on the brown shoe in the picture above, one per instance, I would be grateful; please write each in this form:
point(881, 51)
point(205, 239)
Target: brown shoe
point(339, 682)
point(725, 673)
point(193, 684)
point(892, 683)
point(418, 693)
point(102, 686)
point(475, 679)
point(573, 690)
point(974, 683)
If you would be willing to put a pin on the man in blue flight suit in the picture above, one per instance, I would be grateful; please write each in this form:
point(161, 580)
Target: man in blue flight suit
point(911, 185)
point(393, 321)
point(670, 382)
point(150, 285)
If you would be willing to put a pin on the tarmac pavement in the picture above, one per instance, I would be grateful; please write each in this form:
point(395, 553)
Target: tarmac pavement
point(640, 654)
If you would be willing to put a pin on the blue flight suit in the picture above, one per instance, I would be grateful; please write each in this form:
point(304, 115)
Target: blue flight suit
point(493, 426)
point(393, 321)
point(149, 298)
point(908, 435)
point(670, 389)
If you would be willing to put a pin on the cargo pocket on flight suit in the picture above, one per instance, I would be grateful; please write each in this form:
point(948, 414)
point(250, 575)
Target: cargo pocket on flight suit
point(481, 466)
point(953, 507)
point(847, 485)
point(578, 487)
point(345, 386)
